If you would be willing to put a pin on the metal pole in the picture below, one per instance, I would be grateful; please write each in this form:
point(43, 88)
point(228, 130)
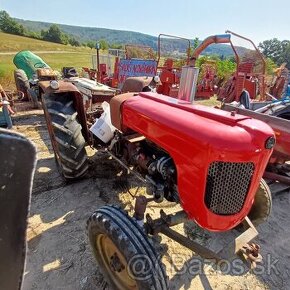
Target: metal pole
point(98, 61)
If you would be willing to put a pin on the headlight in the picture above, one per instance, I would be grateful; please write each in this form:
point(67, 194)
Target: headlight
point(54, 85)
point(156, 79)
point(270, 142)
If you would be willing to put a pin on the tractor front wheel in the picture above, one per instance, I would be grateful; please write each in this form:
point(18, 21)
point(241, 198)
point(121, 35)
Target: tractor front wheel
point(123, 251)
point(21, 82)
point(262, 205)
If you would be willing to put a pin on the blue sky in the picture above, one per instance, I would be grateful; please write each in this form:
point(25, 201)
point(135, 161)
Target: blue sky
point(258, 20)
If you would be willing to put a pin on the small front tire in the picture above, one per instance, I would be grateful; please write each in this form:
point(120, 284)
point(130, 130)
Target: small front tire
point(123, 251)
point(262, 206)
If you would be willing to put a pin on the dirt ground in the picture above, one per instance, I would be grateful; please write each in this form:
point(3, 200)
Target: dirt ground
point(59, 256)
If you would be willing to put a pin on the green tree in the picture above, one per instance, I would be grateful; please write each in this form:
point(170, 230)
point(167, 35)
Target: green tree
point(278, 51)
point(103, 44)
point(270, 66)
point(33, 34)
point(53, 34)
point(116, 46)
point(74, 42)
point(224, 68)
point(285, 57)
point(9, 25)
point(272, 48)
point(91, 44)
point(196, 42)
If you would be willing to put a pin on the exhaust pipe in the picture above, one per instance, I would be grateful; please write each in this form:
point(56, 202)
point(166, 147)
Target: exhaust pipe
point(188, 81)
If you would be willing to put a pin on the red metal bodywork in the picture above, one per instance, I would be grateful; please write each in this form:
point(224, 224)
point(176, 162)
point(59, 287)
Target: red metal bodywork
point(206, 85)
point(195, 136)
point(169, 80)
point(281, 129)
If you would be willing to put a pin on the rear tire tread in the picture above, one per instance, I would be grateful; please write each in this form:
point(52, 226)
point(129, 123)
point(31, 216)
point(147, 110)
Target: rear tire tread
point(67, 133)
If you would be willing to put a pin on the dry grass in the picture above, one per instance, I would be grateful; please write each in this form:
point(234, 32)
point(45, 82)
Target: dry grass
point(56, 55)
point(212, 102)
point(14, 43)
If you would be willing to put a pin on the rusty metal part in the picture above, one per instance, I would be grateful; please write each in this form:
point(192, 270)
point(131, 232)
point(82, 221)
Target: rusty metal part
point(163, 224)
point(251, 253)
point(134, 172)
point(229, 252)
point(136, 84)
point(257, 50)
point(154, 226)
point(45, 74)
point(135, 194)
point(140, 207)
point(238, 81)
point(116, 108)
point(139, 176)
point(278, 177)
point(261, 76)
point(146, 180)
point(194, 246)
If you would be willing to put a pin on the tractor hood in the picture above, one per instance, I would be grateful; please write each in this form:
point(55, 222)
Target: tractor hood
point(206, 144)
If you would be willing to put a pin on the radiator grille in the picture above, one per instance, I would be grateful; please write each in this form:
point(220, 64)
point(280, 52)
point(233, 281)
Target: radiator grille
point(227, 186)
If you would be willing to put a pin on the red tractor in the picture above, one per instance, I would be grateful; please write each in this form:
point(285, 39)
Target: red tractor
point(207, 160)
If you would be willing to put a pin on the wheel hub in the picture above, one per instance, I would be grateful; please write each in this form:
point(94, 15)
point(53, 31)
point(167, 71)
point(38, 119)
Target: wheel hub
point(116, 263)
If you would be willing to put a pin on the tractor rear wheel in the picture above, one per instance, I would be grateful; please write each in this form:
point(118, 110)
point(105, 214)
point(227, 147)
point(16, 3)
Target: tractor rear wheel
point(123, 251)
point(66, 136)
point(21, 82)
point(262, 205)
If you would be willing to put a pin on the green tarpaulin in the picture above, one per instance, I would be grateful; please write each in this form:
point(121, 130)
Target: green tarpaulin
point(29, 62)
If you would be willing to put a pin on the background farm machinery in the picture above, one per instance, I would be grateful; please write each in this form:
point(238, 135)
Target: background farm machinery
point(138, 60)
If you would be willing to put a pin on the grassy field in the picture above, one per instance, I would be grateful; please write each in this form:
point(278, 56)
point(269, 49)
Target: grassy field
point(14, 43)
point(212, 102)
point(63, 55)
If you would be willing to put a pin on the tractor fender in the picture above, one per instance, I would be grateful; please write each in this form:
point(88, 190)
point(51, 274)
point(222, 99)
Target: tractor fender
point(68, 88)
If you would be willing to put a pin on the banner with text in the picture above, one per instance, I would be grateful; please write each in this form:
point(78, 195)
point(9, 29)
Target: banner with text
point(135, 68)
